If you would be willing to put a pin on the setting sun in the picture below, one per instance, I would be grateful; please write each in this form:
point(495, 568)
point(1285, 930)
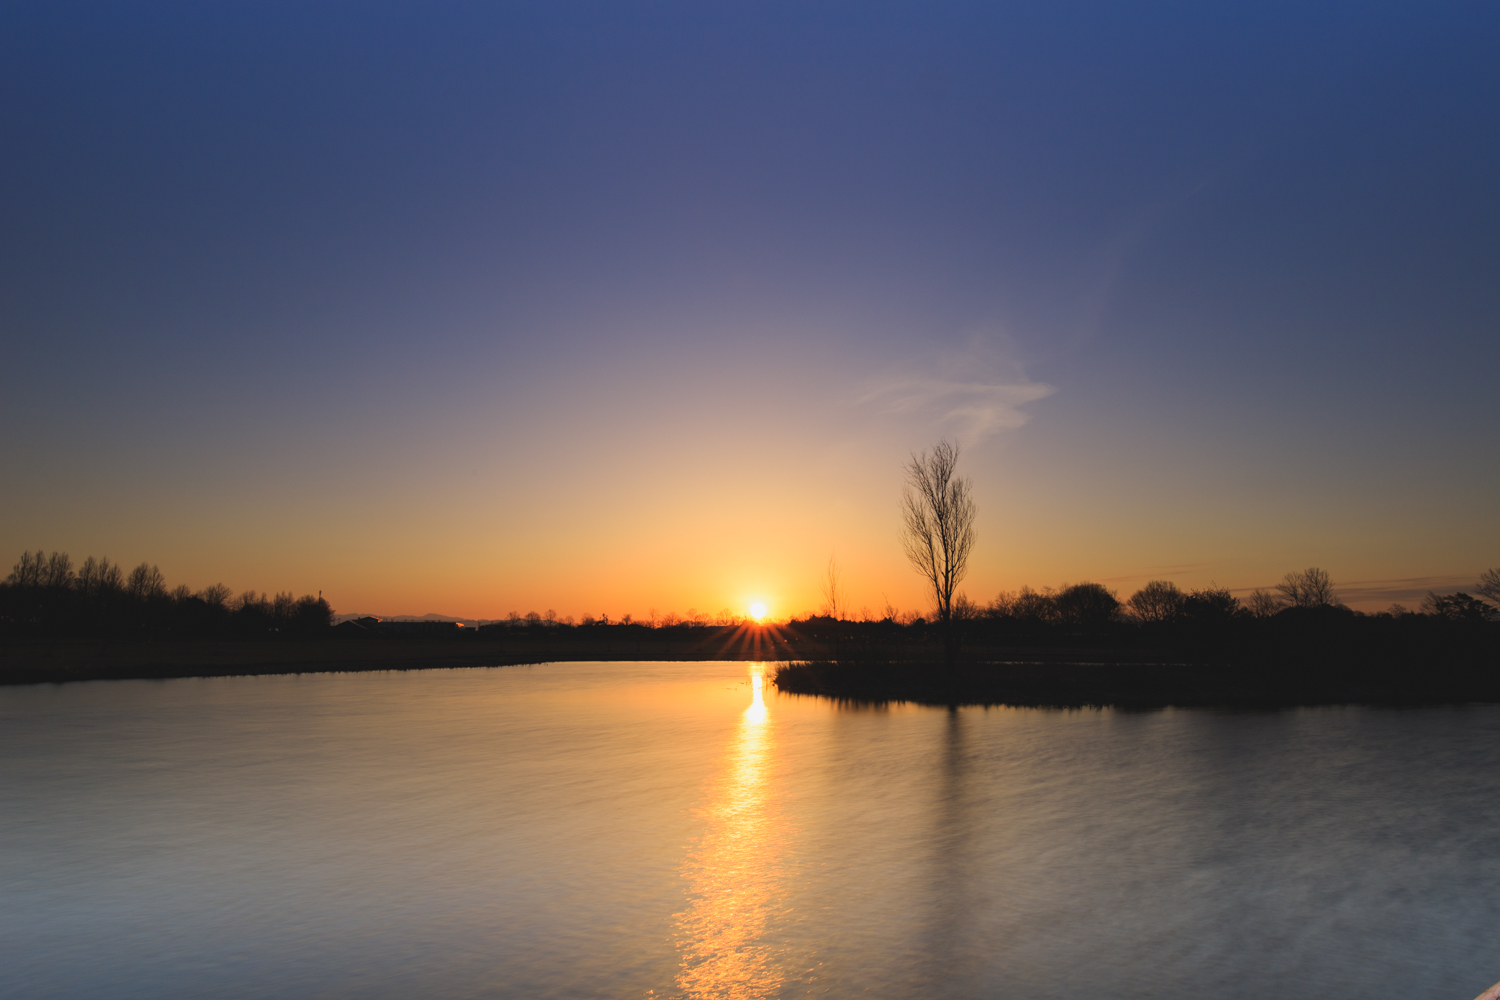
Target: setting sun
point(757, 611)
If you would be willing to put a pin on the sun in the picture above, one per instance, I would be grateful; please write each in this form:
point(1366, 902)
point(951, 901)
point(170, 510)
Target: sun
point(757, 611)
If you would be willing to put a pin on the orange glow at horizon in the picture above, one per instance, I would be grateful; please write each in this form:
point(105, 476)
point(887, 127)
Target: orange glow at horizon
point(758, 611)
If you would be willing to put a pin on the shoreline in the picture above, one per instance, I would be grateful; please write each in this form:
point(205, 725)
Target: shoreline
point(63, 661)
point(1137, 685)
point(1021, 674)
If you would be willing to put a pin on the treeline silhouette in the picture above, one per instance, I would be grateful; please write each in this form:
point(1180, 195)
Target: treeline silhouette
point(1080, 644)
point(1161, 611)
point(45, 596)
point(653, 619)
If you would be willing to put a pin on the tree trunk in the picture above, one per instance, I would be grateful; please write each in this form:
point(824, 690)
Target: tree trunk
point(950, 642)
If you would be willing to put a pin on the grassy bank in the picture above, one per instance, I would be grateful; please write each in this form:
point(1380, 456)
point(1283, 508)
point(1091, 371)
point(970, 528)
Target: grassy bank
point(59, 660)
point(34, 661)
point(1107, 681)
point(1315, 658)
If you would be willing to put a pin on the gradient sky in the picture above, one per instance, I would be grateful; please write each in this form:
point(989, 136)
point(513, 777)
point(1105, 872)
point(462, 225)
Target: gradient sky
point(473, 308)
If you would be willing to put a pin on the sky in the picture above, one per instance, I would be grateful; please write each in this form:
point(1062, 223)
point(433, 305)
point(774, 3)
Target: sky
point(603, 308)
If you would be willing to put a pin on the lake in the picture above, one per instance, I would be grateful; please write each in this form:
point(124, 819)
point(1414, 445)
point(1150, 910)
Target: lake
point(681, 830)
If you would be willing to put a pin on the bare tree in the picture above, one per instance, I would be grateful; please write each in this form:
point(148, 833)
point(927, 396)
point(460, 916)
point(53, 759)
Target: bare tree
point(1310, 588)
point(1263, 604)
point(146, 582)
point(938, 511)
point(1157, 601)
point(1489, 586)
point(283, 608)
point(833, 593)
point(27, 572)
point(965, 609)
point(97, 576)
point(58, 571)
point(41, 570)
point(215, 596)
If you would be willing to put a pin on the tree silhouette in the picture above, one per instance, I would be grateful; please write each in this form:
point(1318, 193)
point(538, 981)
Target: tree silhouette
point(1489, 586)
point(1025, 605)
point(1458, 607)
point(833, 594)
point(1157, 601)
point(1263, 604)
point(215, 596)
point(938, 511)
point(1310, 588)
point(43, 595)
point(42, 570)
point(311, 614)
point(1086, 605)
point(1213, 605)
point(99, 576)
point(145, 582)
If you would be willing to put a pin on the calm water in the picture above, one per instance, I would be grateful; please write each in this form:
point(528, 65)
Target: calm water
point(667, 829)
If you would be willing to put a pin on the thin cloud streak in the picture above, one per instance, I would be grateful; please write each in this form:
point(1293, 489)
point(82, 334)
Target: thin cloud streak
point(1375, 594)
point(1409, 590)
point(977, 409)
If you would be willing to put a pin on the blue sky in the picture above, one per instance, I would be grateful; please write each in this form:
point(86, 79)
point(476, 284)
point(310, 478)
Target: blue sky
point(479, 308)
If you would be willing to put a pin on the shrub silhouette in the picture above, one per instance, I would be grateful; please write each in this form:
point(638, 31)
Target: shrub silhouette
point(1086, 605)
point(1458, 607)
point(1211, 606)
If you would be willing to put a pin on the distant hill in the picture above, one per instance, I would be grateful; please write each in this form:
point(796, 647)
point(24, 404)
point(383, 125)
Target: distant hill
point(429, 617)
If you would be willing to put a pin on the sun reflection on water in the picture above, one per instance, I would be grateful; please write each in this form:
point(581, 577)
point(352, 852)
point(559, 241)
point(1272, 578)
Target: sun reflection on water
point(735, 871)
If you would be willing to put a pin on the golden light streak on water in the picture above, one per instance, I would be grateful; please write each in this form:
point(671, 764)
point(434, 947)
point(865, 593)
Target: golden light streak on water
point(735, 871)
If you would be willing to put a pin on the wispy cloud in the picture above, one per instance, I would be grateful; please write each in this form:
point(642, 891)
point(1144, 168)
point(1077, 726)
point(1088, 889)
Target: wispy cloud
point(974, 408)
point(1410, 590)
